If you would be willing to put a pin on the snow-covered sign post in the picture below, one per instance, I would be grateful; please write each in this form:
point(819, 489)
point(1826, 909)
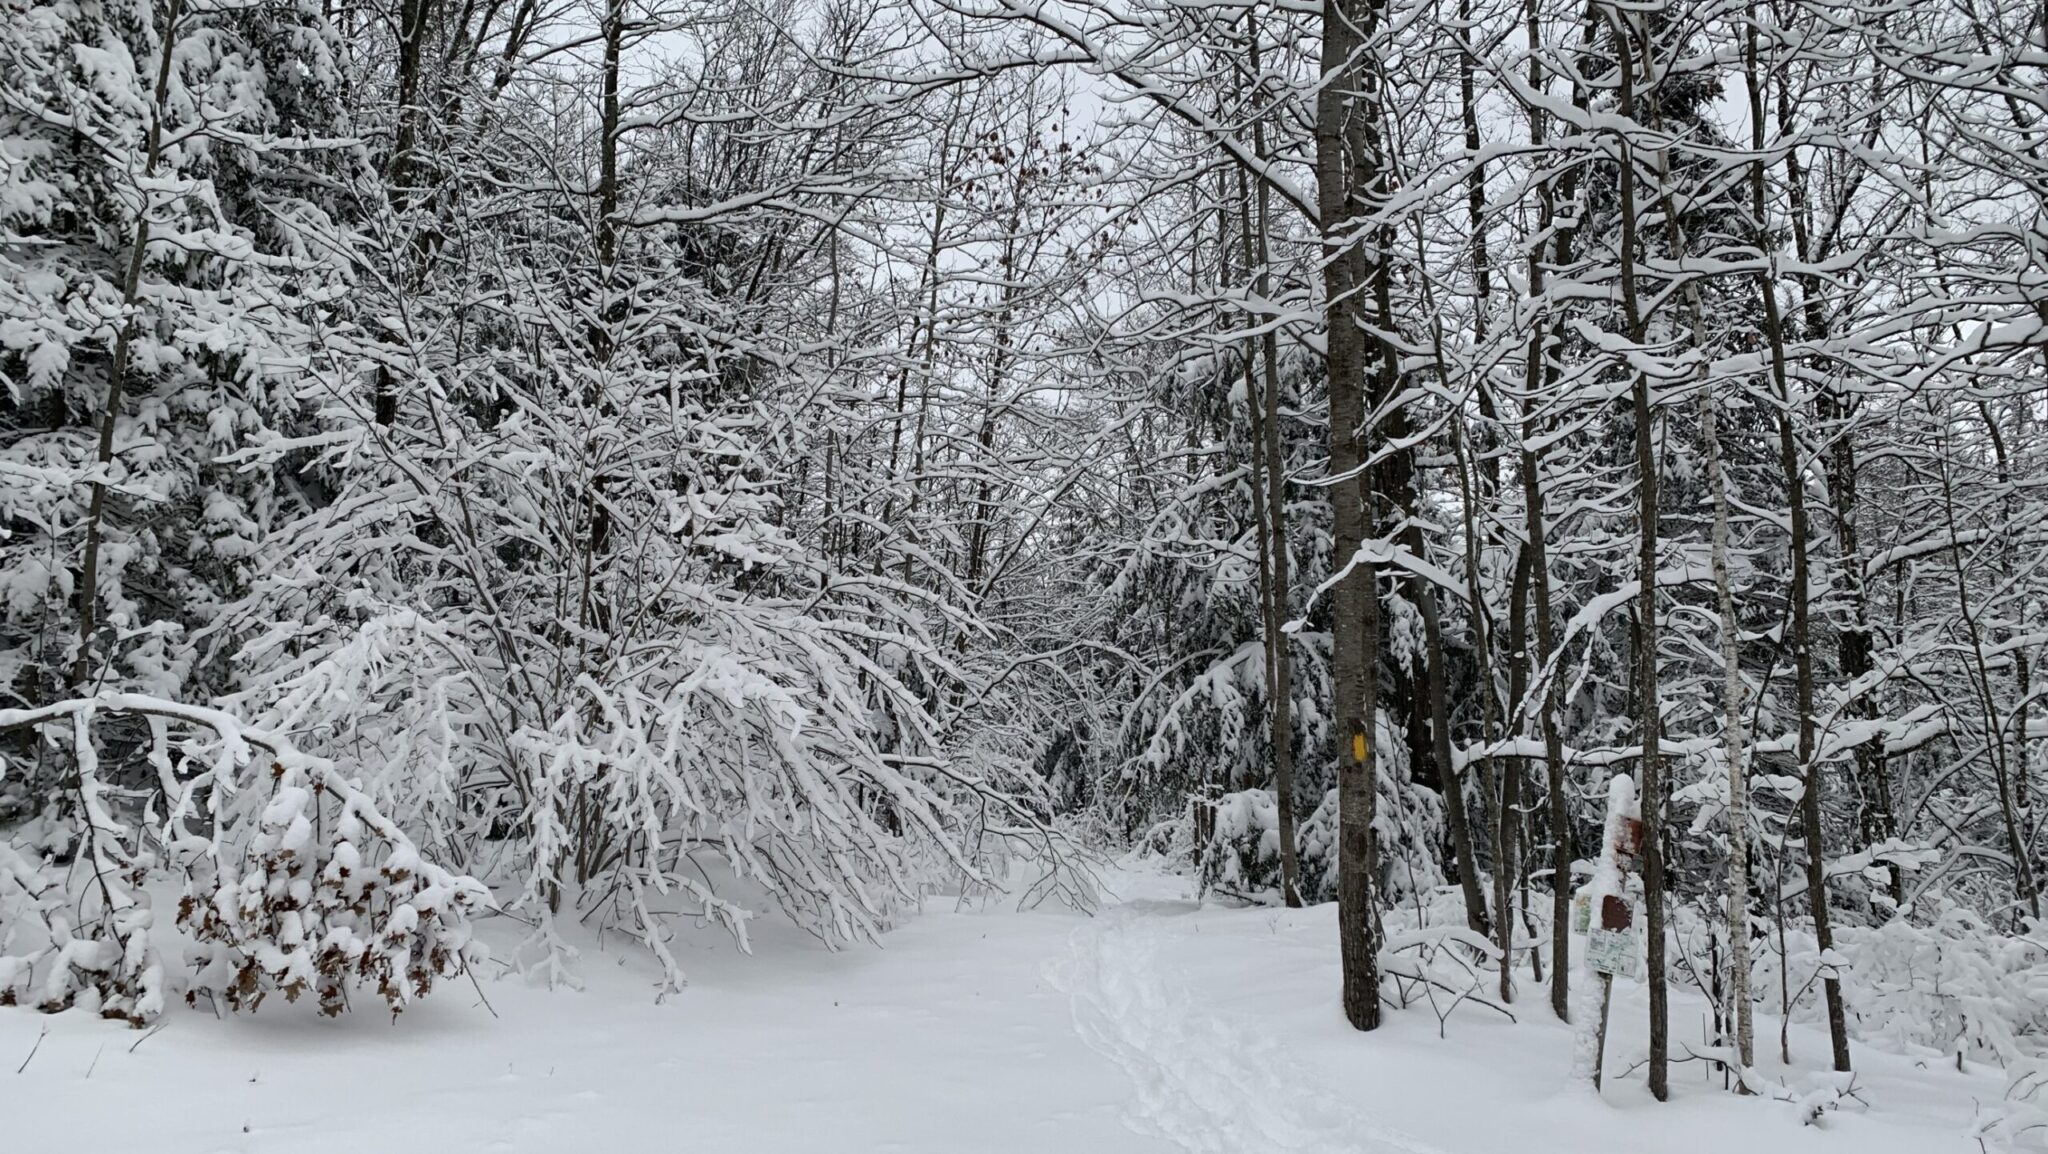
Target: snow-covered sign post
point(1605, 914)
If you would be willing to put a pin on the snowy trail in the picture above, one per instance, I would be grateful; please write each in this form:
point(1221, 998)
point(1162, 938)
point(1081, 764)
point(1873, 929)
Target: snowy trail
point(1205, 1083)
point(1153, 1027)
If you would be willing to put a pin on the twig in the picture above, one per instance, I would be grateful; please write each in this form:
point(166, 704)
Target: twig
point(158, 1029)
point(478, 986)
point(32, 1050)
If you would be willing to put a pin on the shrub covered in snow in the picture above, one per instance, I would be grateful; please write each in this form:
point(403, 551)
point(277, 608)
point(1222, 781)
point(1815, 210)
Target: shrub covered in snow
point(293, 880)
point(1946, 982)
point(324, 894)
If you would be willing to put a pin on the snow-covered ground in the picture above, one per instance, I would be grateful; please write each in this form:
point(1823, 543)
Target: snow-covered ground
point(1154, 1026)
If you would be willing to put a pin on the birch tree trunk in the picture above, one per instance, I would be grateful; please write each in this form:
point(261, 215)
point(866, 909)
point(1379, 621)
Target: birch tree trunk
point(1734, 753)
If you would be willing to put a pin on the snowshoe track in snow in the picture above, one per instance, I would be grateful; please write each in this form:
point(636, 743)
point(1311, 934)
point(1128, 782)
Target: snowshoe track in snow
point(1202, 1082)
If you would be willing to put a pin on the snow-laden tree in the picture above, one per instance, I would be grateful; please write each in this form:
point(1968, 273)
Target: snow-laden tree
point(166, 210)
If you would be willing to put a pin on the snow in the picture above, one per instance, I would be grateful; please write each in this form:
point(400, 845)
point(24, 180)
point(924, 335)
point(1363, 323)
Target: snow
point(1157, 1025)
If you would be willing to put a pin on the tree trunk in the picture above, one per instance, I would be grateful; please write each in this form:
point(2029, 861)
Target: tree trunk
point(1876, 819)
point(1801, 594)
point(1734, 753)
point(117, 367)
point(1649, 714)
point(1518, 767)
point(1501, 807)
point(1269, 457)
point(1539, 372)
point(1450, 782)
point(1344, 170)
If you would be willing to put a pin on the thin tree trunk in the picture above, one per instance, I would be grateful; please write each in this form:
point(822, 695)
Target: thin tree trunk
point(1648, 719)
point(117, 367)
point(1877, 821)
point(1272, 619)
point(1448, 776)
point(1980, 684)
point(1801, 592)
point(1518, 692)
point(1733, 742)
point(1501, 806)
point(1539, 372)
point(2012, 775)
point(1270, 457)
point(1283, 676)
point(1734, 751)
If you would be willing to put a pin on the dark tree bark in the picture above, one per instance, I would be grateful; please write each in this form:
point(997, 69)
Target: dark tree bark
point(1539, 373)
point(1269, 467)
point(1801, 593)
point(1347, 170)
point(1647, 701)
